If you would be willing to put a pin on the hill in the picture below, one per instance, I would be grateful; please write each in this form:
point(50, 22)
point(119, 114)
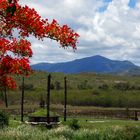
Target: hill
point(98, 64)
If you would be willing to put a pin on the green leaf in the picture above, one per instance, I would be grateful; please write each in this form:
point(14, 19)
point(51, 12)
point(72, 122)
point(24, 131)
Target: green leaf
point(9, 1)
point(11, 10)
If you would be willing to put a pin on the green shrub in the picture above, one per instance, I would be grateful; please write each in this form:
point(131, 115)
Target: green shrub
point(103, 87)
point(42, 102)
point(74, 124)
point(83, 85)
point(4, 119)
point(27, 87)
point(43, 112)
point(122, 86)
point(52, 86)
point(96, 93)
point(58, 85)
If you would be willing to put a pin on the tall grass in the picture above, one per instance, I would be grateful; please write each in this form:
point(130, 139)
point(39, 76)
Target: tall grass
point(24, 132)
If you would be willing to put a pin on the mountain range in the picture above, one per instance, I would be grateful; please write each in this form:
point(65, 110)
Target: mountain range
point(98, 64)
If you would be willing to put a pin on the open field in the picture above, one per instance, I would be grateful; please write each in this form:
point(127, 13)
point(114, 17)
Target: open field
point(86, 89)
point(104, 106)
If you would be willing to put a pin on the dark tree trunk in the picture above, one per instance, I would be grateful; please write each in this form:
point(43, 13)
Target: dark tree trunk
point(22, 100)
point(48, 98)
point(65, 98)
point(5, 97)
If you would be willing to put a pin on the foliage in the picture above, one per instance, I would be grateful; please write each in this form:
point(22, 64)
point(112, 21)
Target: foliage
point(52, 86)
point(111, 97)
point(57, 85)
point(122, 86)
point(74, 124)
point(27, 87)
point(83, 85)
point(15, 52)
point(96, 93)
point(4, 119)
point(126, 86)
point(104, 87)
point(24, 132)
point(43, 112)
point(42, 102)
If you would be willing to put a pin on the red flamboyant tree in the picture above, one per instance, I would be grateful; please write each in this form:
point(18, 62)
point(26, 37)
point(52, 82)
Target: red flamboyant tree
point(15, 52)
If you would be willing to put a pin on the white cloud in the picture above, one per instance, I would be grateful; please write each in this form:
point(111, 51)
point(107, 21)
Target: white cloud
point(114, 33)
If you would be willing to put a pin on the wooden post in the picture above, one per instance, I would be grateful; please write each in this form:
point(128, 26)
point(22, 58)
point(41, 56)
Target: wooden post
point(127, 113)
point(2, 94)
point(5, 97)
point(136, 116)
point(22, 99)
point(65, 98)
point(48, 99)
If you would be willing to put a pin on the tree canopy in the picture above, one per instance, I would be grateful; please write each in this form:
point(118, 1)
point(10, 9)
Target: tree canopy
point(16, 51)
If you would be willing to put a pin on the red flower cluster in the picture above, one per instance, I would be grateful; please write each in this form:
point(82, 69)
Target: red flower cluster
point(64, 35)
point(21, 47)
point(15, 52)
point(7, 81)
point(11, 65)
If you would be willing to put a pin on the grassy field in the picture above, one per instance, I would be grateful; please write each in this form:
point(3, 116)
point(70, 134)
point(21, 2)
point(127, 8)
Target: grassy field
point(90, 129)
point(97, 101)
point(86, 89)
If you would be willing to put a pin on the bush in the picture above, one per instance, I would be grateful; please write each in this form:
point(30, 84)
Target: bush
point(4, 119)
point(58, 85)
point(52, 86)
point(43, 113)
point(95, 92)
point(83, 85)
point(122, 86)
point(27, 87)
point(42, 102)
point(74, 124)
point(103, 87)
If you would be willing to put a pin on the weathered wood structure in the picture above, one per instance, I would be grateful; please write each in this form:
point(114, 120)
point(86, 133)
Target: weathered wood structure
point(43, 120)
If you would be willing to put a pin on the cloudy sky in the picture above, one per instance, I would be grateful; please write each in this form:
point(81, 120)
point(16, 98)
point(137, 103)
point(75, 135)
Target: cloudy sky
point(110, 28)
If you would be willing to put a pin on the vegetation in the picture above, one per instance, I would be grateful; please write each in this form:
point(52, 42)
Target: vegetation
point(24, 132)
point(83, 89)
point(74, 124)
point(43, 112)
point(4, 119)
point(27, 21)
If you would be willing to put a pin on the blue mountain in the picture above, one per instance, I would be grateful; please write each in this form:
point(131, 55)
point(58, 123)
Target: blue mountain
point(98, 64)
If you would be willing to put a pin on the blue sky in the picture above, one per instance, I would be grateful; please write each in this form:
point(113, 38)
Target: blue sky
point(132, 3)
point(110, 28)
